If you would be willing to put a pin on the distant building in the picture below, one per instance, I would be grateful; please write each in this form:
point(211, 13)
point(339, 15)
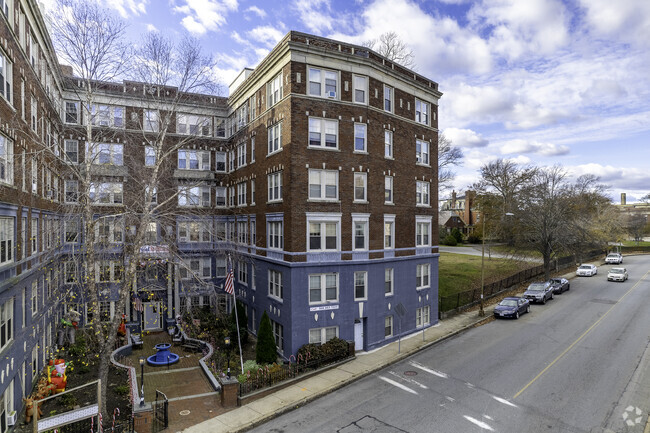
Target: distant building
point(458, 212)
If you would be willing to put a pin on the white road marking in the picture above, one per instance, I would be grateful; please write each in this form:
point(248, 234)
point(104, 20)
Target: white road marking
point(428, 370)
point(450, 398)
point(469, 385)
point(399, 385)
point(487, 417)
point(478, 423)
point(504, 401)
point(409, 380)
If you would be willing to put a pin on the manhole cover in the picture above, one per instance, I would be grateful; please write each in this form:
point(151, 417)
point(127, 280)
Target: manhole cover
point(184, 412)
point(410, 373)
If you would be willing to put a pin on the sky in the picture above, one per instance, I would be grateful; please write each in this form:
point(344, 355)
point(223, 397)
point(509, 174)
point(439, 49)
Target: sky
point(539, 82)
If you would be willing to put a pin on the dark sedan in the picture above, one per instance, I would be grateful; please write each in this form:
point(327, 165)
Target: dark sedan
point(560, 285)
point(539, 292)
point(512, 307)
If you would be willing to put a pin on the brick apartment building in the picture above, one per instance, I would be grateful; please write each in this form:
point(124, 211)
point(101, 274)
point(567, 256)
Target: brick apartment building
point(317, 176)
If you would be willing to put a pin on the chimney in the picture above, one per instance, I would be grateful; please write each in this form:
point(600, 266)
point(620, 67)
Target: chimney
point(623, 201)
point(453, 199)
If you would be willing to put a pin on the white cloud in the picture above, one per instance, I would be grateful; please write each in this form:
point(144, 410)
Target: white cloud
point(267, 35)
point(622, 178)
point(202, 16)
point(126, 8)
point(524, 146)
point(628, 20)
point(316, 15)
point(465, 138)
point(259, 12)
point(151, 28)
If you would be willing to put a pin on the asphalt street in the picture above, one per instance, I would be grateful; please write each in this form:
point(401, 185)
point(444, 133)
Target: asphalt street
point(577, 364)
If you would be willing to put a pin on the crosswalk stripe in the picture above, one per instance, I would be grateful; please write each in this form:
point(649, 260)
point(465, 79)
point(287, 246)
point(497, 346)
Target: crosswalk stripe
point(399, 385)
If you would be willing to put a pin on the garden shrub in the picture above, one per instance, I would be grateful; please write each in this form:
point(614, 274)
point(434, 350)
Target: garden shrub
point(122, 390)
point(450, 240)
point(474, 239)
point(334, 348)
point(458, 235)
point(265, 350)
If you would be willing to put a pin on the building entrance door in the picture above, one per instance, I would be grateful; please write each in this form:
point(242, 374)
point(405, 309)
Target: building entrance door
point(151, 315)
point(358, 335)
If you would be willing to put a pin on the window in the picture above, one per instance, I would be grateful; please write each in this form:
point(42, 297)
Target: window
point(253, 233)
point(150, 121)
point(360, 89)
point(275, 133)
point(323, 235)
point(278, 334)
point(106, 193)
point(199, 267)
point(323, 335)
point(194, 231)
point(6, 160)
point(105, 311)
point(6, 323)
point(360, 285)
point(422, 316)
point(242, 116)
point(422, 152)
point(71, 228)
point(241, 155)
point(242, 232)
point(422, 193)
point(252, 149)
point(253, 104)
point(389, 231)
point(323, 83)
point(34, 114)
point(194, 159)
point(323, 184)
point(109, 230)
point(233, 159)
point(360, 187)
point(388, 144)
point(105, 153)
point(275, 284)
point(323, 133)
point(252, 191)
point(274, 90)
point(275, 231)
point(323, 288)
point(34, 176)
point(71, 191)
point(388, 189)
point(388, 98)
point(107, 115)
point(109, 271)
point(360, 235)
point(149, 156)
point(72, 151)
point(220, 162)
point(422, 231)
point(422, 273)
point(388, 326)
point(241, 194)
point(71, 112)
point(388, 281)
point(34, 235)
point(360, 137)
point(242, 272)
point(198, 196)
point(6, 77)
point(220, 267)
point(220, 194)
point(189, 124)
point(421, 112)
point(220, 127)
point(275, 186)
point(34, 297)
point(6, 6)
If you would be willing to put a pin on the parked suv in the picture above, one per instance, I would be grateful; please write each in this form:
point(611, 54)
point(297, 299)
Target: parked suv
point(539, 292)
point(614, 259)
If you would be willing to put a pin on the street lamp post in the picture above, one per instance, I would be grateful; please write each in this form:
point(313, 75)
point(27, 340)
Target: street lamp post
point(227, 341)
point(142, 381)
point(481, 311)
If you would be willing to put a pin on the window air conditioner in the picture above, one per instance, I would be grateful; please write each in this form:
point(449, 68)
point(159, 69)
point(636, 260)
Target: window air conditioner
point(331, 94)
point(11, 418)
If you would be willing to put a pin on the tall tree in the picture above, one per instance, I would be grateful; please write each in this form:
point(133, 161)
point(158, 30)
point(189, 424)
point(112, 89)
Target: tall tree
point(391, 46)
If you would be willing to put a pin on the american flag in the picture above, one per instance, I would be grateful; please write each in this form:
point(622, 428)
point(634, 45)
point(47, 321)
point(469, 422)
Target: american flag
point(228, 287)
point(137, 304)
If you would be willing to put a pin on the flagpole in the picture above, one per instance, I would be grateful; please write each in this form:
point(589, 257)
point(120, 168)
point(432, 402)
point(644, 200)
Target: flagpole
point(241, 359)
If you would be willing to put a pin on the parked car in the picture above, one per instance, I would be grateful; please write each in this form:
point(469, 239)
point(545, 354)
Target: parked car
point(617, 274)
point(512, 307)
point(614, 258)
point(560, 285)
point(539, 292)
point(586, 270)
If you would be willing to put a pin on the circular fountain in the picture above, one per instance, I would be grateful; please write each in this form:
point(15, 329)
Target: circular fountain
point(163, 356)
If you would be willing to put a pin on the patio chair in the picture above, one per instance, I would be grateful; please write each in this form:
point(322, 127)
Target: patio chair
point(136, 341)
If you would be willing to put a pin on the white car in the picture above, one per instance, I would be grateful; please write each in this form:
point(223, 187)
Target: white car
point(614, 258)
point(586, 270)
point(617, 274)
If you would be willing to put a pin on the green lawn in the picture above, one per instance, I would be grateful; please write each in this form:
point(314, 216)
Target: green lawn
point(460, 272)
point(636, 244)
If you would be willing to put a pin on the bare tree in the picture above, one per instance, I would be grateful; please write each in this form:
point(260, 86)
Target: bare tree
point(449, 156)
point(393, 48)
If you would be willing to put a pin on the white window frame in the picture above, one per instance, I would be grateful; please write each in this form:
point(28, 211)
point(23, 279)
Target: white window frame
point(389, 99)
point(360, 138)
point(389, 191)
point(202, 229)
point(422, 112)
point(70, 191)
point(422, 152)
point(186, 158)
point(221, 193)
point(274, 138)
point(423, 276)
point(319, 335)
point(149, 156)
point(360, 277)
point(323, 221)
point(71, 150)
point(275, 285)
point(6, 160)
point(360, 187)
point(422, 316)
point(388, 326)
point(113, 228)
point(6, 76)
point(194, 196)
point(274, 182)
point(196, 267)
point(360, 88)
point(71, 227)
point(422, 193)
point(322, 128)
point(422, 231)
point(7, 323)
point(242, 272)
point(275, 234)
point(324, 83)
point(241, 155)
point(321, 290)
point(7, 239)
point(322, 176)
point(105, 153)
point(150, 121)
point(388, 144)
point(389, 232)
point(360, 232)
point(193, 124)
point(71, 112)
point(107, 115)
point(113, 191)
point(274, 90)
point(220, 160)
point(389, 282)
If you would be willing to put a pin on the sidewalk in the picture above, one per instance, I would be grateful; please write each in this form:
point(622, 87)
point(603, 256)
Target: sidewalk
point(264, 409)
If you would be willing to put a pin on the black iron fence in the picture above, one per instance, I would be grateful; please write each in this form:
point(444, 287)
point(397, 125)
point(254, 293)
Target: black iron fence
point(471, 297)
point(267, 377)
point(160, 412)
point(124, 425)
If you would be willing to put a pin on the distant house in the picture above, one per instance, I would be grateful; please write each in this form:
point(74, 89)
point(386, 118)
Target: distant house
point(458, 212)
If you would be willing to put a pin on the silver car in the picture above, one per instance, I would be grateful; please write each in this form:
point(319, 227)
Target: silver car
point(586, 270)
point(617, 274)
point(539, 292)
point(614, 258)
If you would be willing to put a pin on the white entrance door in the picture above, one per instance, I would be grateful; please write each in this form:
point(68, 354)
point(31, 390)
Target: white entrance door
point(151, 315)
point(358, 336)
